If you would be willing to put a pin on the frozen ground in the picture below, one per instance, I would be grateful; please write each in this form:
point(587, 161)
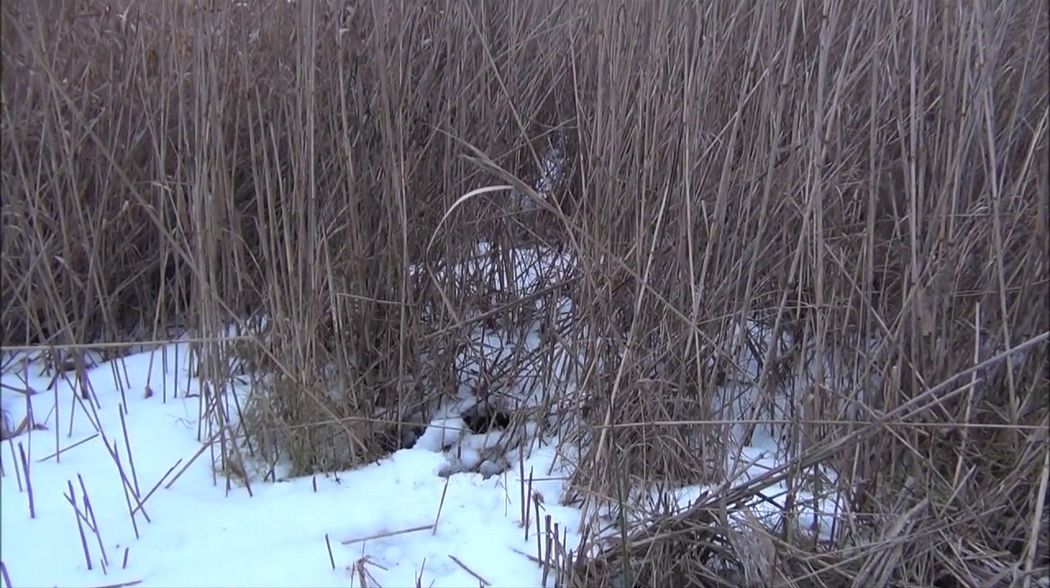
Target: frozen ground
point(198, 535)
point(395, 522)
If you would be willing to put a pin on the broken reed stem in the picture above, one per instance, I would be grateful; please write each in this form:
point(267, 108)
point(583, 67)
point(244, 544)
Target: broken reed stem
point(419, 574)
point(58, 419)
point(441, 504)
point(16, 462)
point(148, 388)
point(62, 449)
point(120, 368)
point(389, 534)
point(5, 575)
point(29, 484)
point(521, 486)
point(120, 584)
point(80, 518)
point(328, 544)
point(30, 420)
point(94, 523)
point(127, 493)
point(539, 534)
point(581, 549)
point(73, 400)
point(175, 379)
point(547, 556)
point(525, 505)
point(478, 577)
point(204, 446)
point(362, 574)
point(157, 485)
point(124, 560)
point(564, 555)
point(127, 448)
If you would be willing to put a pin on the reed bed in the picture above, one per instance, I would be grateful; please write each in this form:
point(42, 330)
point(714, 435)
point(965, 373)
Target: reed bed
point(865, 186)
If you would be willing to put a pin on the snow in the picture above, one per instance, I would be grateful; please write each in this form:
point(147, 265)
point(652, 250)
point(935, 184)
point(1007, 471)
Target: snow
point(451, 495)
point(197, 534)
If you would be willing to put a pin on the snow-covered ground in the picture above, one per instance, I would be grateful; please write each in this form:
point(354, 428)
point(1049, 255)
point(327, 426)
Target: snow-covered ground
point(412, 517)
point(397, 520)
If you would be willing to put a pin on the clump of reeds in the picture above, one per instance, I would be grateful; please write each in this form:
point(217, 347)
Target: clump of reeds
point(868, 182)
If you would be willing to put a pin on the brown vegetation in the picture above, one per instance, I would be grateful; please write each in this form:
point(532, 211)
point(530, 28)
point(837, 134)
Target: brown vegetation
point(870, 179)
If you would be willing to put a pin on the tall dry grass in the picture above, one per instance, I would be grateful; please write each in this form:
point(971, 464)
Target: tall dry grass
point(866, 181)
